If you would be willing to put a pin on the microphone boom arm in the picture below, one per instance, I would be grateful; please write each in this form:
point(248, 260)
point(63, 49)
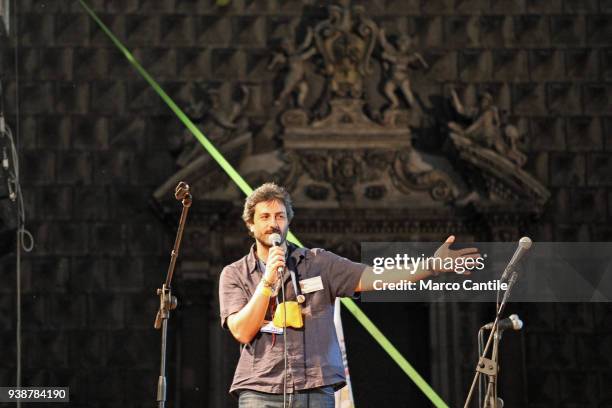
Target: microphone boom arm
point(167, 301)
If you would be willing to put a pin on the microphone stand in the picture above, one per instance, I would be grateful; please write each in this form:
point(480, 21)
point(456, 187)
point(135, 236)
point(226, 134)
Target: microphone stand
point(167, 301)
point(491, 400)
point(490, 367)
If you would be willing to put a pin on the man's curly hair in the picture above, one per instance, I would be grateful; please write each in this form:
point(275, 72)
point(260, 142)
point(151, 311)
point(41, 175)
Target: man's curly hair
point(263, 193)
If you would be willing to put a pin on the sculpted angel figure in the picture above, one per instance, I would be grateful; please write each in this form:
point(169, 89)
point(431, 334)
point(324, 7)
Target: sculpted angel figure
point(486, 128)
point(295, 59)
point(513, 153)
point(218, 124)
point(399, 60)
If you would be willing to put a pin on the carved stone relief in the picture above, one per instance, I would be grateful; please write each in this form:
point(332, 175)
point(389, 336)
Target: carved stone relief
point(337, 149)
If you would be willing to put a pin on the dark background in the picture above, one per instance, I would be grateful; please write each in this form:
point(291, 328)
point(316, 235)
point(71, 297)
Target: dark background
point(95, 142)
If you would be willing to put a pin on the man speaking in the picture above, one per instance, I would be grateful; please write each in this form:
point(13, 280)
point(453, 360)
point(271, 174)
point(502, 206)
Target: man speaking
point(278, 285)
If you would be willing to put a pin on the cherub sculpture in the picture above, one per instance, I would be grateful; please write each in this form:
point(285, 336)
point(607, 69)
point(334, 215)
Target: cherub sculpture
point(486, 128)
point(218, 124)
point(513, 153)
point(295, 59)
point(399, 61)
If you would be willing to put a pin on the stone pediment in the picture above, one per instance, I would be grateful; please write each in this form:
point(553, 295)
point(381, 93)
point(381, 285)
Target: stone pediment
point(338, 149)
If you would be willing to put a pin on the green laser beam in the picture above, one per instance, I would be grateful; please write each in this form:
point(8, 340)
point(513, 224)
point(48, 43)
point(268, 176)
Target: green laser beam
point(370, 327)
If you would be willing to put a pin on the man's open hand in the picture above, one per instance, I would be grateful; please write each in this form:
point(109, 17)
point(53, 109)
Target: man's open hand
point(445, 252)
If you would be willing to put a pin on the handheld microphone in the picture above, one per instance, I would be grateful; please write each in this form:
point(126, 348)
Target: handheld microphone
point(512, 322)
point(276, 240)
point(523, 246)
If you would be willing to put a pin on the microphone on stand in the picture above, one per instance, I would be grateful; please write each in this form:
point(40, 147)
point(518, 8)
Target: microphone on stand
point(276, 240)
point(523, 246)
point(513, 322)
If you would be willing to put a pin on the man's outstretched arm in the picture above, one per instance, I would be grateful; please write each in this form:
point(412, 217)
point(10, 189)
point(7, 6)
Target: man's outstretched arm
point(397, 275)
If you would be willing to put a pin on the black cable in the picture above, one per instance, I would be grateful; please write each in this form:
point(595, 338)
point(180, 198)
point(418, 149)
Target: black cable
point(480, 349)
point(19, 203)
point(17, 196)
point(14, 184)
point(281, 280)
point(285, 354)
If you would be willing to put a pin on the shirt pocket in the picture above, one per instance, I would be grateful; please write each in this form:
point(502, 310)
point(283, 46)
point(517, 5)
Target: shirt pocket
point(317, 304)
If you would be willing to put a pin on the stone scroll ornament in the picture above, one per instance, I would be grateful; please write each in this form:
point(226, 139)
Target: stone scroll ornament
point(488, 152)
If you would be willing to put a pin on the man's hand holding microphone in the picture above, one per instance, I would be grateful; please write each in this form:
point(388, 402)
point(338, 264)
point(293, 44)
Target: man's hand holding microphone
point(275, 264)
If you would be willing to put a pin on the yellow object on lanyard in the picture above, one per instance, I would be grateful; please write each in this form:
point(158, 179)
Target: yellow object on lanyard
point(294, 315)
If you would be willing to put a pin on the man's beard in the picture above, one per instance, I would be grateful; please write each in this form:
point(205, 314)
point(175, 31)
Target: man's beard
point(264, 239)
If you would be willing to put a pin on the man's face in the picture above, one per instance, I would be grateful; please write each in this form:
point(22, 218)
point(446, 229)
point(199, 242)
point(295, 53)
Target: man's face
point(270, 217)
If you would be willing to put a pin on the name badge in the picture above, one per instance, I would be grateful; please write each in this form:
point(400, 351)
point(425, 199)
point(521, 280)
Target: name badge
point(271, 328)
point(311, 284)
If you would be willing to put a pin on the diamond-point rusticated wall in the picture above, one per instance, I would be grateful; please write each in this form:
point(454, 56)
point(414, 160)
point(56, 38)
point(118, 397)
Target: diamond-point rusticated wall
point(95, 142)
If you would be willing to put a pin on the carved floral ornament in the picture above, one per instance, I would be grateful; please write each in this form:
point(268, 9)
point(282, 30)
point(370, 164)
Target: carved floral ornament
point(340, 147)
